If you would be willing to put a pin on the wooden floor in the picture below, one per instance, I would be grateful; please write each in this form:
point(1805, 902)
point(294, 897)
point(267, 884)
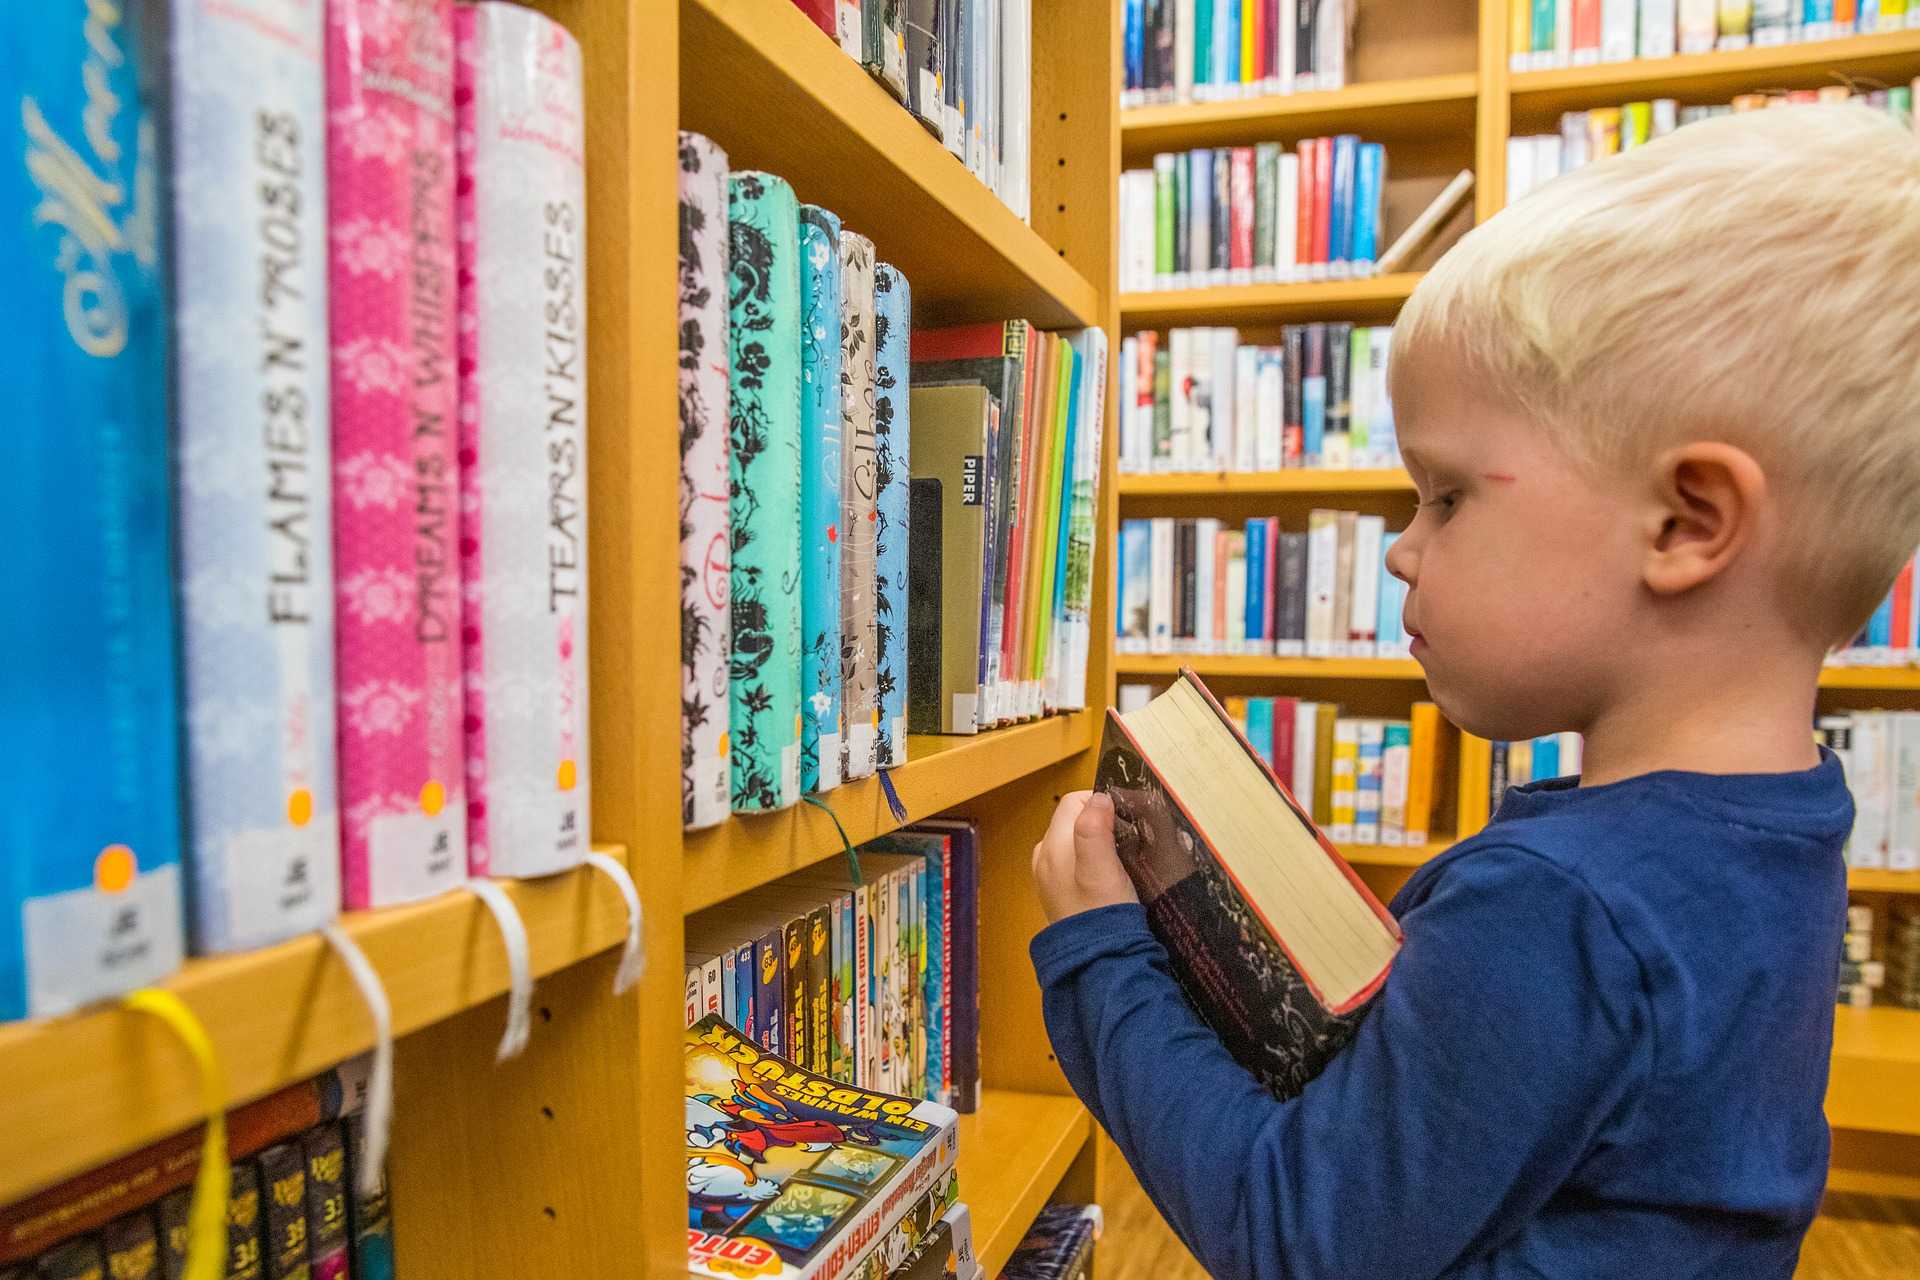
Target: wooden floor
point(1855, 1238)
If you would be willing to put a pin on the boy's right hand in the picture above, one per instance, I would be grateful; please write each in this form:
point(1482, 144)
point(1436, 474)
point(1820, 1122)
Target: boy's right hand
point(1075, 866)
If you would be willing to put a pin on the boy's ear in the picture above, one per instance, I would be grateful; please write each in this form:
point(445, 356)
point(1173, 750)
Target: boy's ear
point(1704, 507)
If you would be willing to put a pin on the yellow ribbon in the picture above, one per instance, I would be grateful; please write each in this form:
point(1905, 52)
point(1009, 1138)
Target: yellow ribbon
point(207, 1219)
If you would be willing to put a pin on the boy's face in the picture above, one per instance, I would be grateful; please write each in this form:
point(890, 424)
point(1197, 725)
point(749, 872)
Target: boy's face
point(1523, 571)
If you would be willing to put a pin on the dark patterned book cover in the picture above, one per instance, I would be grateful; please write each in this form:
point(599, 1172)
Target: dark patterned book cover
point(892, 423)
point(132, 1248)
point(1236, 973)
point(325, 1152)
point(283, 1188)
point(1059, 1245)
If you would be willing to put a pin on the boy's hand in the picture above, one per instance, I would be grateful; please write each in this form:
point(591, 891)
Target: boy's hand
point(1075, 867)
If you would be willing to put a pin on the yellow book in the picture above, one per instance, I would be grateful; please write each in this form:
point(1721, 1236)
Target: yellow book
point(1249, 17)
point(1237, 712)
point(1476, 761)
point(1636, 125)
point(1325, 715)
point(1520, 41)
point(1344, 787)
point(1603, 131)
point(1422, 772)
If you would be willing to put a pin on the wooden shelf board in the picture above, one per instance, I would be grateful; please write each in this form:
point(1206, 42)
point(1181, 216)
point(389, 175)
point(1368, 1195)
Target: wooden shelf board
point(1309, 480)
point(1890, 679)
point(745, 852)
point(1424, 108)
point(822, 123)
point(1169, 664)
point(1376, 298)
point(1875, 1083)
point(1867, 880)
point(1713, 77)
point(1380, 855)
point(97, 1084)
point(1013, 1153)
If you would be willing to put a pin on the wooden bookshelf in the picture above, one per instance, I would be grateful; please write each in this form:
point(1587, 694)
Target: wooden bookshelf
point(1875, 1083)
point(1375, 298)
point(1240, 666)
point(1872, 880)
point(1013, 1152)
point(83, 1089)
point(1416, 108)
point(1303, 480)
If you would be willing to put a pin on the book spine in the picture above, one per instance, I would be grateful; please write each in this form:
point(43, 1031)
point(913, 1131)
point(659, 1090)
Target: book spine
point(1342, 204)
point(79, 1259)
point(522, 199)
point(1200, 223)
point(1204, 574)
point(1266, 209)
point(131, 1247)
point(1543, 33)
point(1735, 23)
point(893, 322)
point(1360, 397)
point(1088, 456)
point(1314, 398)
point(1658, 28)
point(796, 1024)
point(859, 688)
point(1136, 585)
point(323, 1149)
point(1336, 448)
point(848, 23)
point(1422, 773)
point(1368, 780)
point(283, 1185)
point(884, 44)
point(1520, 33)
point(868, 1229)
point(1241, 255)
point(1164, 219)
point(1304, 46)
point(1344, 789)
point(245, 1219)
point(926, 63)
point(88, 522)
point(1348, 524)
point(1699, 25)
point(821, 470)
point(1369, 532)
point(1369, 191)
point(1307, 200)
point(1323, 532)
point(1903, 837)
point(1324, 195)
point(1586, 32)
point(705, 589)
point(396, 509)
point(369, 1213)
point(1290, 609)
point(258, 674)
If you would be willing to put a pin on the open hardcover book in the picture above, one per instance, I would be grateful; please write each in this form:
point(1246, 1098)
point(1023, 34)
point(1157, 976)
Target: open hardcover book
point(1278, 944)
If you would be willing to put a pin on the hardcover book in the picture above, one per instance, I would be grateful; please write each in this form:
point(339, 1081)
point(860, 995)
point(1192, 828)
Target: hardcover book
point(255, 526)
point(821, 499)
point(1076, 592)
point(764, 319)
point(949, 556)
point(395, 473)
point(283, 1189)
point(369, 1214)
point(706, 637)
point(790, 1174)
point(132, 1247)
point(1279, 946)
point(1059, 1245)
point(90, 894)
point(892, 535)
point(325, 1152)
point(859, 694)
point(523, 491)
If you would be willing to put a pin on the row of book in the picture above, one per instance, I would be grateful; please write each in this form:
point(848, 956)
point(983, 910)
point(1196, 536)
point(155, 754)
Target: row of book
point(1574, 33)
point(1253, 215)
point(1209, 50)
point(1500, 765)
point(1880, 751)
point(1881, 969)
point(1201, 400)
point(1586, 136)
point(1196, 586)
point(1902, 986)
point(1891, 637)
point(332, 647)
point(1058, 1246)
point(964, 68)
point(294, 1210)
point(870, 979)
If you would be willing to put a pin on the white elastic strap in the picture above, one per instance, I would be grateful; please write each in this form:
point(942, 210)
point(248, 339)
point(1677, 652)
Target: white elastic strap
point(633, 960)
point(513, 933)
point(380, 1079)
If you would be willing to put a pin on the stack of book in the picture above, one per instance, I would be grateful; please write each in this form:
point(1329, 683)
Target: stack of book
point(1545, 34)
point(1860, 974)
point(964, 68)
point(871, 980)
point(793, 1176)
point(1903, 954)
point(1201, 400)
point(1196, 586)
point(293, 1205)
point(1207, 50)
point(1880, 751)
point(1058, 1246)
point(368, 706)
point(1586, 136)
point(1253, 215)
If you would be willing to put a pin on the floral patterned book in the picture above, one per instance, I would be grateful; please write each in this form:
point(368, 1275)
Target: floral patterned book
point(859, 691)
point(892, 322)
point(1279, 946)
point(820, 495)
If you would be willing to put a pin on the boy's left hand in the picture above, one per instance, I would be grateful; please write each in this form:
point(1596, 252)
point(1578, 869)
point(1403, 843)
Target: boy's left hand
point(1075, 867)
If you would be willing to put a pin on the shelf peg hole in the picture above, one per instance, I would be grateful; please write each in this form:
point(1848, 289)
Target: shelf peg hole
point(546, 1014)
point(547, 1112)
point(551, 1215)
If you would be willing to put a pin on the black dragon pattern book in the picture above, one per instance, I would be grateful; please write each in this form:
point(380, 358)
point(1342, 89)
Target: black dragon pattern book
point(1278, 945)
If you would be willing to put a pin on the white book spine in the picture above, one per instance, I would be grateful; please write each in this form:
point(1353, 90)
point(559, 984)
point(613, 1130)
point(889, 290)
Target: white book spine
point(1205, 566)
point(1286, 220)
point(1365, 599)
point(1657, 28)
point(1246, 408)
point(1903, 842)
point(1304, 723)
point(1202, 421)
point(1617, 19)
point(1699, 25)
point(1180, 393)
point(1160, 590)
point(1519, 168)
point(1225, 411)
point(1869, 765)
point(1562, 33)
point(1394, 768)
point(1270, 404)
point(1236, 593)
point(1129, 408)
point(1323, 541)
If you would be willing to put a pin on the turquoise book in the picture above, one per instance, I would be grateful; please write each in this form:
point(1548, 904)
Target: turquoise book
point(892, 325)
point(90, 883)
point(820, 499)
point(764, 385)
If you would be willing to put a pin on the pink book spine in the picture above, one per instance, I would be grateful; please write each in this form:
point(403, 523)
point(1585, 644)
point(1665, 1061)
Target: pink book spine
point(390, 175)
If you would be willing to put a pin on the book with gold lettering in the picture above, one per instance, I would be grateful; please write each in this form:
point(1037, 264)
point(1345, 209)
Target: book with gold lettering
point(794, 1175)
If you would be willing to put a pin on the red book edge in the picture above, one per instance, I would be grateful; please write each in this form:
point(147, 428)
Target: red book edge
point(1367, 992)
point(1305, 205)
point(821, 11)
point(986, 340)
point(1902, 637)
point(1322, 197)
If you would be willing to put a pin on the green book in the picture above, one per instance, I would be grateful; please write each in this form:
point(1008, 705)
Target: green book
point(1162, 405)
point(1543, 26)
point(1164, 178)
point(1360, 394)
point(1202, 43)
point(764, 381)
point(1266, 194)
point(1051, 515)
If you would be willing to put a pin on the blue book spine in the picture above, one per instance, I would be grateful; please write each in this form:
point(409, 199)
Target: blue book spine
point(1136, 579)
point(820, 496)
point(1313, 391)
point(1820, 11)
point(1227, 40)
point(1342, 211)
point(1366, 202)
point(1066, 489)
point(1260, 727)
point(933, 976)
point(255, 516)
point(1546, 757)
point(1136, 46)
point(1200, 224)
point(892, 326)
point(1257, 581)
point(1393, 596)
point(90, 892)
point(1880, 625)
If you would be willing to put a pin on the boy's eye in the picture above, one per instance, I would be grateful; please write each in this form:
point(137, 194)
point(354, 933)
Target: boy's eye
point(1442, 504)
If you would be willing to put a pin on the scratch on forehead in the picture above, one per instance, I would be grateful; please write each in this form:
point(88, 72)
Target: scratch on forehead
point(1502, 476)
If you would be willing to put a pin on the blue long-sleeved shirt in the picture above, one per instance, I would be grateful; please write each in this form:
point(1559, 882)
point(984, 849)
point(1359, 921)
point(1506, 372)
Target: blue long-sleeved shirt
point(1601, 1052)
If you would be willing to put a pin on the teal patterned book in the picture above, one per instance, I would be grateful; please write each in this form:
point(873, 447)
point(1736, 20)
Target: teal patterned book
point(820, 499)
point(859, 700)
point(892, 324)
point(763, 315)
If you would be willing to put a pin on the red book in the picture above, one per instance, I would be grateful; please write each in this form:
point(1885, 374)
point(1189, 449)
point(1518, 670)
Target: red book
point(1219, 636)
point(821, 11)
point(1902, 637)
point(1322, 197)
point(1272, 525)
point(1309, 198)
point(1283, 713)
point(1240, 228)
point(1845, 11)
point(1586, 28)
point(1262, 44)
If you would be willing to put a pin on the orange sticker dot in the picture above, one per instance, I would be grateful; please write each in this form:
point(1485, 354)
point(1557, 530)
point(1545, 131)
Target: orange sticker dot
point(876, 717)
point(300, 807)
point(568, 775)
point(113, 869)
point(433, 798)
point(725, 741)
point(798, 725)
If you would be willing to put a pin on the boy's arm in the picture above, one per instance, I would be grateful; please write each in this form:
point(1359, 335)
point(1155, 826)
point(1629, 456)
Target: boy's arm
point(1513, 1025)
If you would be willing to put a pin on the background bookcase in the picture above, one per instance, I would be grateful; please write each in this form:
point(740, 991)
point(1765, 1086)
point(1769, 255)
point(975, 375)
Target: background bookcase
point(1433, 82)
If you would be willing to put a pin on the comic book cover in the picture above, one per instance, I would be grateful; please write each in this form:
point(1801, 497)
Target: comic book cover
point(1059, 1245)
point(791, 1174)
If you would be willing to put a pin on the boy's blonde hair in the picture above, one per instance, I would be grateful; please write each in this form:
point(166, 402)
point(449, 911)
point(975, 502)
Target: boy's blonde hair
point(1753, 278)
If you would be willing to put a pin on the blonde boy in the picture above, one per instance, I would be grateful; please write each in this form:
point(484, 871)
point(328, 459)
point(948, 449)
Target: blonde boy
point(1664, 420)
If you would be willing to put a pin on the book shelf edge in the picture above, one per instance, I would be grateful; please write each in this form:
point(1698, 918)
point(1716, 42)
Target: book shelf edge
point(1051, 1130)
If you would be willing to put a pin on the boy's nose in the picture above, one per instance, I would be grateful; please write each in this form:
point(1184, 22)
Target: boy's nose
point(1403, 557)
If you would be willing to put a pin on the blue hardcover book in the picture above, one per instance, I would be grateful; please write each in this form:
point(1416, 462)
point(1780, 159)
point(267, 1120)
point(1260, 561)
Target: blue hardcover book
point(1075, 389)
point(820, 499)
point(1136, 46)
point(255, 514)
point(892, 325)
point(1313, 392)
point(1257, 636)
point(1260, 727)
point(1880, 625)
point(90, 892)
point(1389, 636)
point(1546, 757)
point(1226, 36)
point(1136, 584)
point(1367, 190)
point(1341, 212)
